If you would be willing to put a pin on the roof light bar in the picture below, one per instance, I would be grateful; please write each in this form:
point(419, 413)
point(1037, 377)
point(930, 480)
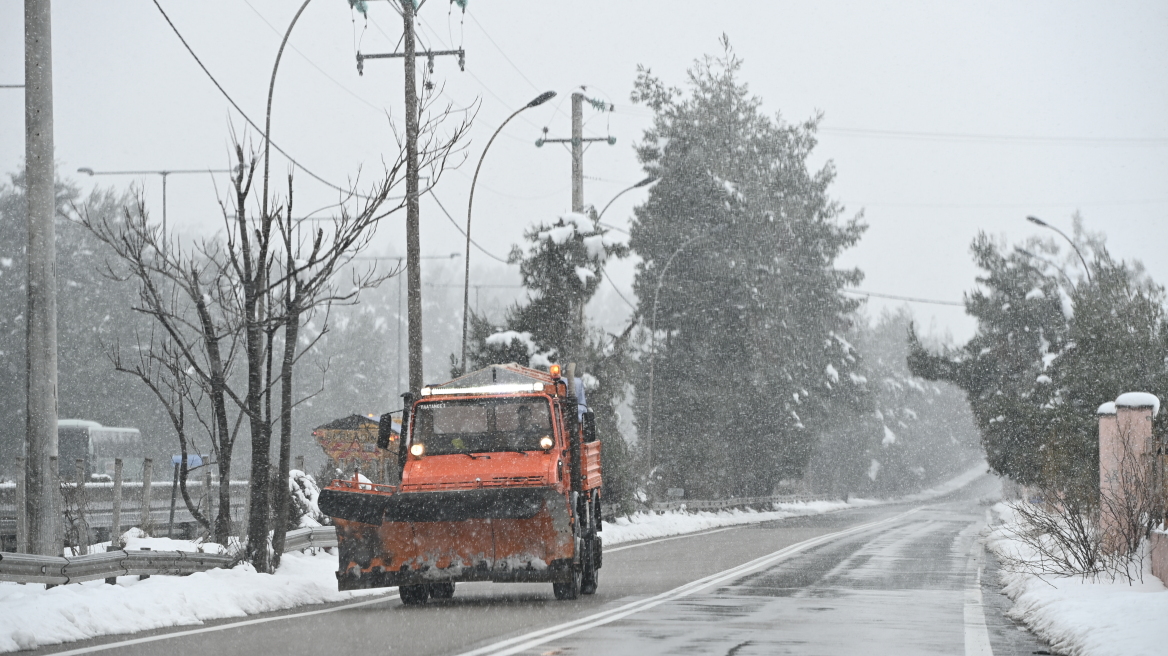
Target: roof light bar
point(485, 389)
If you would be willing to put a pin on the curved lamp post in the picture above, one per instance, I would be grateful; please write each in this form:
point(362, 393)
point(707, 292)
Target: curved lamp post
point(653, 333)
point(1039, 222)
point(539, 100)
point(268, 113)
point(647, 181)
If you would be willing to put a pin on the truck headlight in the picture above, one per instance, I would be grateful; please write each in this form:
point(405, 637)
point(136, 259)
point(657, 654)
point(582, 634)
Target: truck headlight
point(546, 443)
point(418, 450)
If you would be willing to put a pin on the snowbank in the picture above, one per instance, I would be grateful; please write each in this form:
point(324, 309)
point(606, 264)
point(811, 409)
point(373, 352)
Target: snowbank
point(31, 616)
point(1083, 617)
point(643, 525)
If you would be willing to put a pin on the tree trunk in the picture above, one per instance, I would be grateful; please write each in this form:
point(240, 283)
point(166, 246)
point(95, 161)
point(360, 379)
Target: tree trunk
point(291, 335)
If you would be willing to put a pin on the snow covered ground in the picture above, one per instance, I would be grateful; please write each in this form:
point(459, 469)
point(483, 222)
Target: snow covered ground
point(1083, 617)
point(31, 616)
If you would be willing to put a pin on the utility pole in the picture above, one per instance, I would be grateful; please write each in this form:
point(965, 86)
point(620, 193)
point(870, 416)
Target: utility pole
point(577, 152)
point(413, 210)
point(43, 507)
point(577, 141)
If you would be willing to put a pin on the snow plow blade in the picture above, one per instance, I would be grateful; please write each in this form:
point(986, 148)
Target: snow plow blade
point(441, 506)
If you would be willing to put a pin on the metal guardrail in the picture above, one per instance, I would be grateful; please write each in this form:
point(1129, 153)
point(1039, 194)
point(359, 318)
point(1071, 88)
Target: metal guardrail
point(738, 502)
point(59, 570)
point(317, 537)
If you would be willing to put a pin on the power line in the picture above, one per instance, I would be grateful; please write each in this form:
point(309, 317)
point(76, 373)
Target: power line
point(1146, 201)
point(463, 232)
point(244, 114)
point(1001, 138)
point(347, 90)
point(860, 292)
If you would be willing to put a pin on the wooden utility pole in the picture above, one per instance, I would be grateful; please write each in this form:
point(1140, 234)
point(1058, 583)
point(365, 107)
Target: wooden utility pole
point(43, 505)
point(413, 211)
point(577, 152)
point(577, 142)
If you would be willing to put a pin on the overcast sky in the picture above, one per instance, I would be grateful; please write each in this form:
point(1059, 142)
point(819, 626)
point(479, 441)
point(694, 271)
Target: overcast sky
point(942, 119)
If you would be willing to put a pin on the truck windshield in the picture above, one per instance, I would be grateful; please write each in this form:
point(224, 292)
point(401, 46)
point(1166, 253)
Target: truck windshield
point(482, 425)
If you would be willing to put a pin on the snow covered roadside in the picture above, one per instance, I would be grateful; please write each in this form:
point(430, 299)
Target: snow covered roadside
point(1083, 617)
point(644, 526)
point(31, 616)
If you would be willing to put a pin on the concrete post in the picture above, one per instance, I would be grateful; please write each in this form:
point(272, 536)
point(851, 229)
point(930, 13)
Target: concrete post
point(45, 519)
point(210, 492)
point(79, 498)
point(116, 520)
point(1125, 444)
point(21, 508)
point(147, 466)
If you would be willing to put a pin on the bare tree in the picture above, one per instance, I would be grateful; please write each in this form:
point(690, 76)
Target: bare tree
point(243, 295)
point(192, 301)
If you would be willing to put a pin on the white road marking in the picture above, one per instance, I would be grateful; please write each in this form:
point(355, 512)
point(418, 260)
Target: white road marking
point(536, 638)
point(222, 627)
point(676, 537)
point(977, 635)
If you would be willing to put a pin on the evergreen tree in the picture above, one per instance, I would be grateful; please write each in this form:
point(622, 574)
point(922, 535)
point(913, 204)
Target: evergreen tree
point(1048, 351)
point(748, 359)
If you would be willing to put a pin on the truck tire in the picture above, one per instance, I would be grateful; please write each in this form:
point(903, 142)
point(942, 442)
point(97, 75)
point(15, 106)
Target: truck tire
point(413, 595)
point(569, 589)
point(444, 590)
point(591, 567)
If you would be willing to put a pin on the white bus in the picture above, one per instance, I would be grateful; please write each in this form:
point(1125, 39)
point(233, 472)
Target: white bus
point(98, 445)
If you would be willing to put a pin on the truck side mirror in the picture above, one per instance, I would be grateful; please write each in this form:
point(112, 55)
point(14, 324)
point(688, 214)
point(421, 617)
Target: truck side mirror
point(384, 430)
point(589, 427)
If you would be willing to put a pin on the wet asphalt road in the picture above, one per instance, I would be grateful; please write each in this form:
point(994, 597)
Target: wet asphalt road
point(906, 585)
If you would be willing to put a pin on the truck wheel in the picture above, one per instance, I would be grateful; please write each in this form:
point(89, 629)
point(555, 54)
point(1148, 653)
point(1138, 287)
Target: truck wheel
point(444, 590)
point(569, 589)
point(413, 595)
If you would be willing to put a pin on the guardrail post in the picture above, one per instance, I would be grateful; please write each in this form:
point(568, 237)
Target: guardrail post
point(143, 577)
point(116, 523)
point(21, 508)
point(146, 474)
point(82, 526)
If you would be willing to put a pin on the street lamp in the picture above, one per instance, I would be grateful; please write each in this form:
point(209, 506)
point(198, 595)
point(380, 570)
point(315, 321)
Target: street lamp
point(653, 333)
point(90, 172)
point(647, 181)
point(539, 100)
point(1039, 222)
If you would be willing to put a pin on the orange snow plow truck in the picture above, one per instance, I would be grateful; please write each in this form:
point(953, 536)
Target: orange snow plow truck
point(500, 481)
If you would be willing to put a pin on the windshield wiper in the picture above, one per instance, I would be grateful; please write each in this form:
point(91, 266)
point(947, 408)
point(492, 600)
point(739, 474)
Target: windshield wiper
point(473, 456)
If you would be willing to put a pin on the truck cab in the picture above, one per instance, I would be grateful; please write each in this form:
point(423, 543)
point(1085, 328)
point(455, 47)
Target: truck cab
point(500, 481)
